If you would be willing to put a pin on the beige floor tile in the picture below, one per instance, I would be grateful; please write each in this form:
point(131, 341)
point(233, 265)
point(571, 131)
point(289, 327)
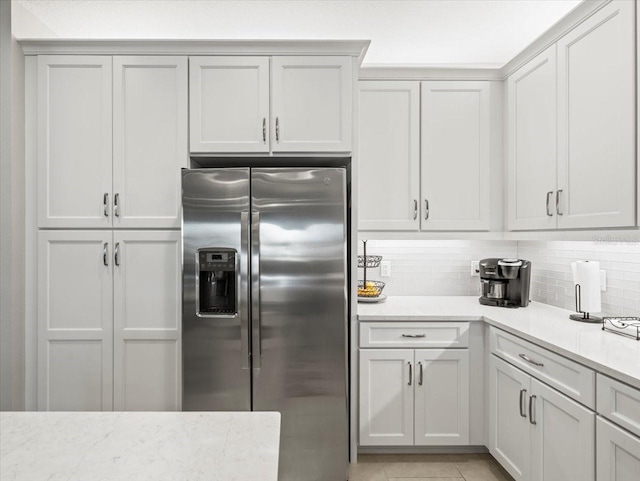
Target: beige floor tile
point(367, 472)
point(426, 479)
point(482, 470)
point(421, 470)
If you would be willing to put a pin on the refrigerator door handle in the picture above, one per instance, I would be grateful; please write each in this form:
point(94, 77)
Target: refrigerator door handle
point(243, 292)
point(256, 354)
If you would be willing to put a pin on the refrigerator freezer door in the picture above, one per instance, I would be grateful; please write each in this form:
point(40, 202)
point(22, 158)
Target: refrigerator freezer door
point(215, 349)
point(299, 323)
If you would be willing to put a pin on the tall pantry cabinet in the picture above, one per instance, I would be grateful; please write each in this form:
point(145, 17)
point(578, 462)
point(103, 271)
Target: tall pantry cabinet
point(112, 137)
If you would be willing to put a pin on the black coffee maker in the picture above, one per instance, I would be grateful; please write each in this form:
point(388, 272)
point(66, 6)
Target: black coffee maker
point(505, 282)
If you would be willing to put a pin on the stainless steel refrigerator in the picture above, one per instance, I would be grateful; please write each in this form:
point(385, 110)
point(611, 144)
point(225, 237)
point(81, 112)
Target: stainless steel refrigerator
point(264, 321)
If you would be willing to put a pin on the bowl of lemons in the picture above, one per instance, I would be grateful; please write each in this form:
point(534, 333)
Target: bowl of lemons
point(370, 289)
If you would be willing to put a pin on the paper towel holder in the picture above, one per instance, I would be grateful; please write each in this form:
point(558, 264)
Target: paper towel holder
point(583, 316)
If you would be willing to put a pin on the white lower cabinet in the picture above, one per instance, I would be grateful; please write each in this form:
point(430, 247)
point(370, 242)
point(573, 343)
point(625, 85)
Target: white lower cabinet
point(414, 397)
point(618, 457)
point(108, 320)
point(537, 433)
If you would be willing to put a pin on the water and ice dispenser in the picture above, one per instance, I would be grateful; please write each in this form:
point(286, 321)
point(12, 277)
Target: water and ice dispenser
point(217, 277)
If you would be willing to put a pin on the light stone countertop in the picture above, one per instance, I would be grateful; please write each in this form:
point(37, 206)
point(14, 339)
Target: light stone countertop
point(128, 446)
point(544, 325)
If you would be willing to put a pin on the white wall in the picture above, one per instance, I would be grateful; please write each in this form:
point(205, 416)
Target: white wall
point(442, 268)
point(485, 33)
point(11, 216)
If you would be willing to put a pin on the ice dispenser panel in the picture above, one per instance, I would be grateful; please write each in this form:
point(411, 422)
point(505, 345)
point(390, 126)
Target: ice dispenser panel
point(216, 284)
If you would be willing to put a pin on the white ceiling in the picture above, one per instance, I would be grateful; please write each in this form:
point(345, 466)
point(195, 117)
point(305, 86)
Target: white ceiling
point(410, 32)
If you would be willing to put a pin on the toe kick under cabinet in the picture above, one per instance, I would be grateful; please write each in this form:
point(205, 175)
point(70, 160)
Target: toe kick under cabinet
point(414, 383)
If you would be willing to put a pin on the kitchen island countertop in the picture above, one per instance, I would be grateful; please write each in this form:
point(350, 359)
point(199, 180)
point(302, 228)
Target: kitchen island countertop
point(106, 446)
point(542, 324)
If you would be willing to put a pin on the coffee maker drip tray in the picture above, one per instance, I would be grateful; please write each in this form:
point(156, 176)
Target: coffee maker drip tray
point(498, 302)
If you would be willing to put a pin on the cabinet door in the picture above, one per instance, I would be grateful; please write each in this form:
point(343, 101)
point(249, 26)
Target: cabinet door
point(618, 453)
point(562, 436)
point(147, 304)
point(531, 138)
point(149, 139)
point(74, 141)
point(442, 397)
point(229, 101)
point(455, 156)
point(75, 312)
point(389, 143)
point(386, 397)
point(509, 439)
point(597, 125)
point(312, 104)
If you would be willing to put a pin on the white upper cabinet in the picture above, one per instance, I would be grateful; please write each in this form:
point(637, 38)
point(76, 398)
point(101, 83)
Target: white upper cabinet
point(310, 98)
point(389, 145)
point(83, 181)
point(596, 120)
point(531, 138)
point(74, 141)
point(149, 140)
point(312, 108)
point(229, 101)
point(571, 144)
point(455, 155)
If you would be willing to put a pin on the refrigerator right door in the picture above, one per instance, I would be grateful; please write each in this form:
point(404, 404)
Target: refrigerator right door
point(299, 316)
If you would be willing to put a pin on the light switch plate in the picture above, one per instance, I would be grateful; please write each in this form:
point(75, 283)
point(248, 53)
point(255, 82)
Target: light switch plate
point(385, 269)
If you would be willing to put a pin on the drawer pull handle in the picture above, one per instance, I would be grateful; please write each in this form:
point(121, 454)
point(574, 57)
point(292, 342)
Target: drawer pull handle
point(414, 335)
point(410, 373)
point(531, 361)
point(523, 408)
point(532, 403)
point(421, 374)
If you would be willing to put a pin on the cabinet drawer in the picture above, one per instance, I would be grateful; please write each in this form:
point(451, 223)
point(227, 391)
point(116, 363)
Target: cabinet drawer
point(414, 334)
point(619, 403)
point(569, 377)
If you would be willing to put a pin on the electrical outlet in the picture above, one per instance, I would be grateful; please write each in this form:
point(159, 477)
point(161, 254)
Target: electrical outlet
point(385, 269)
point(475, 268)
point(603, 280)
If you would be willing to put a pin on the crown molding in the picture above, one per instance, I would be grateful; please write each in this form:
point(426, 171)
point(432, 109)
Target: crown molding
point(353, 48)
point(429, 72)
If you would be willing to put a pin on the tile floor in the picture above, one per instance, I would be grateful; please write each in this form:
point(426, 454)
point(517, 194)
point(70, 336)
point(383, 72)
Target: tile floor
point(427, 467)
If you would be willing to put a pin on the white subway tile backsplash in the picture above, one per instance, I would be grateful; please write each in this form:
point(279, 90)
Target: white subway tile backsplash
point(442, 268)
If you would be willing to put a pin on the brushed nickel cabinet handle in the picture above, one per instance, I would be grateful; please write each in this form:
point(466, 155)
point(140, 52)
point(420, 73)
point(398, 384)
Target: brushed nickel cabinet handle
point(277, 130)
point(532, 402)
point(426, 209)
point(421, 374)
point(105, 203)
point(530, 361)
point(549, 194)
point(264, 130)
point(116, 205)
point(414, 335)
point(523, 403)
point(415, 209)
point(558, 202)
point(105, 259)
point(410, 373)
point(116, 254)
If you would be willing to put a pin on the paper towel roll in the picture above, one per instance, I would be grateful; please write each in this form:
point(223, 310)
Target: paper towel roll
point(587, 275)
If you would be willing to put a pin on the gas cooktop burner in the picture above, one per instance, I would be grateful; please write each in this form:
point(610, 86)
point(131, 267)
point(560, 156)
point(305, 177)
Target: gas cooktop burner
point(625, 326)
